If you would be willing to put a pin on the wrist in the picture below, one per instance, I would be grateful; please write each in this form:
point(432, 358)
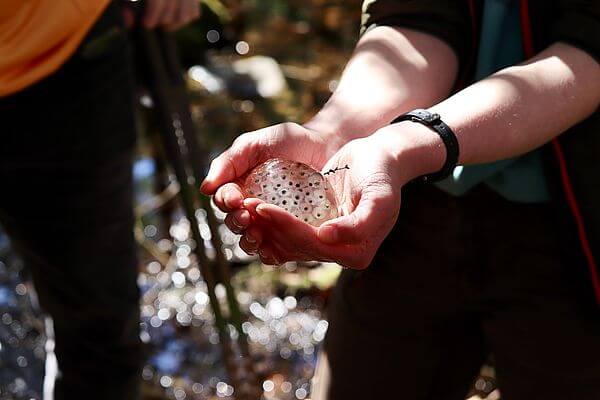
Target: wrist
point(328, 133)
point(338, 124)
point(415, 149)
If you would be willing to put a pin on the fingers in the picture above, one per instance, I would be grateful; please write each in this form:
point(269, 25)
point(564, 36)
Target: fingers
point(221, 170)
point(251, 241)
point(292, 239)
point(170, 14)
point(287, 140)
point(268, 256)
point(373, 215)
point(152, 12)
point(238, 221)
point(244, 153)
point(229, 197)
point(279, 218)
point(277, 236)
point(189, 10)
point(251, 203)
point(348, 229)
point(128, 17)
point(293, 236)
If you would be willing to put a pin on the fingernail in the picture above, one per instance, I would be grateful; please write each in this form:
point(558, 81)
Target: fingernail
point(237, 223)
point(261, 210)
point(328, 234)
point(230, 199)
point(248, 202)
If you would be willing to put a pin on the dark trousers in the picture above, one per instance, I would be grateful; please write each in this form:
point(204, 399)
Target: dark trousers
point(457, 279)
point(66, 202)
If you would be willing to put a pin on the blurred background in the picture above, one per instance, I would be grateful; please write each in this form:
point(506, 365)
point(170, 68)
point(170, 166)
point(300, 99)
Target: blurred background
point(247, 64)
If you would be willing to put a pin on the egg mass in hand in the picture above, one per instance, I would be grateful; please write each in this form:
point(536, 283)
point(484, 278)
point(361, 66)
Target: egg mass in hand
point(296, 187)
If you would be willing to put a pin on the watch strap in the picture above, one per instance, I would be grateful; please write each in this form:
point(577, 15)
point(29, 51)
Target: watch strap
point(434, 122)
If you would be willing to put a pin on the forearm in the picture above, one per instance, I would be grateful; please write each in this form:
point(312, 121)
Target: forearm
point(512, 112)
point(392, 70)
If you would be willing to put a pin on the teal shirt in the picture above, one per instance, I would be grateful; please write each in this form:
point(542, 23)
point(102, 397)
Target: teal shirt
point(519, 179)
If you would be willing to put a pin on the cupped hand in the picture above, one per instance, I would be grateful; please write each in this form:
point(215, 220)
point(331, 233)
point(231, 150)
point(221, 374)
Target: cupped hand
point(287, 140)
point(368, 197)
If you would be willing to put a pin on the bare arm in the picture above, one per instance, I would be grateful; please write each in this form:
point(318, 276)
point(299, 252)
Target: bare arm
point(392, 71)
point(509, 113)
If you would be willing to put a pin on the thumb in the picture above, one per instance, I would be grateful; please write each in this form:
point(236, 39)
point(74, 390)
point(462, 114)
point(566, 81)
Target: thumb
point(245, 152)
point(366, 222)
point(348, 229)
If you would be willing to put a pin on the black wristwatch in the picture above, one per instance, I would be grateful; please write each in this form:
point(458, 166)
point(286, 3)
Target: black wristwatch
point(434, 122)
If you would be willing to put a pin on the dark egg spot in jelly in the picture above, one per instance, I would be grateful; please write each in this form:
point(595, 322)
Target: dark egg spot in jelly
point(291, 186)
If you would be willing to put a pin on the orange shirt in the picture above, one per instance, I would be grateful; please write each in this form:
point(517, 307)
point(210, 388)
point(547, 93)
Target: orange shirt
point(38, 36)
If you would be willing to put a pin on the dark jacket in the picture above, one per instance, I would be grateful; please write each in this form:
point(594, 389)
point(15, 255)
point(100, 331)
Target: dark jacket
point(573, 163)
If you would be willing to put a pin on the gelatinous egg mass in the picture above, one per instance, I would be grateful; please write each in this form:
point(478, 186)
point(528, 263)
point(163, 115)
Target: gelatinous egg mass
point(295, 187)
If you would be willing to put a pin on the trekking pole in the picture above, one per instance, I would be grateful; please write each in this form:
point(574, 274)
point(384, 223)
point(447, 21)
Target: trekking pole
point(198, 161)
point(164, 80)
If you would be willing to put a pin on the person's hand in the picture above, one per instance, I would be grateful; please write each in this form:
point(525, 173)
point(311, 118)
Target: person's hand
point(287, 140)
point(368, 196)
point(168, 14)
